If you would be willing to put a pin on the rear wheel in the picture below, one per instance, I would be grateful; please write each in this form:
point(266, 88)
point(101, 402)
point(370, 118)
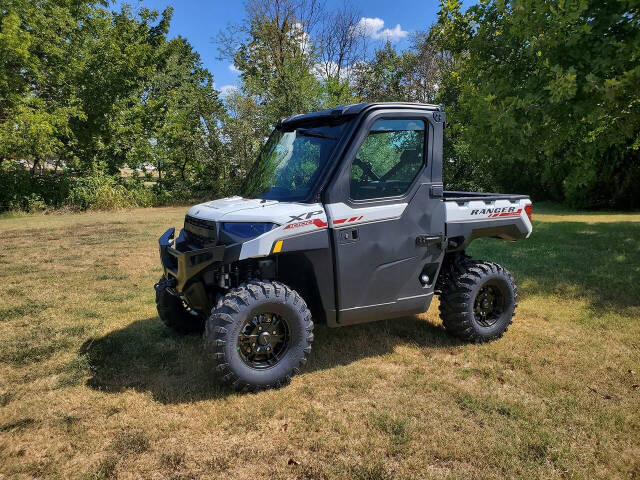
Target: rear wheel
point(174, 314)
point(259, 335)
point(478, 300)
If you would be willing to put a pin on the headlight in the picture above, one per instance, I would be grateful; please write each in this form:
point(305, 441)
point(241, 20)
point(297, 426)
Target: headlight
point(247, 230)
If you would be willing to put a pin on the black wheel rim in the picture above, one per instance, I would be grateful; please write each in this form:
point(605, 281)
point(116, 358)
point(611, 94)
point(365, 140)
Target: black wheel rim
point(488, 305)
point(263, 340)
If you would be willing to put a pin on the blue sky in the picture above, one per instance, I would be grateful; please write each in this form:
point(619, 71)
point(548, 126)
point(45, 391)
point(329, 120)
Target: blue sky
point(199, 21)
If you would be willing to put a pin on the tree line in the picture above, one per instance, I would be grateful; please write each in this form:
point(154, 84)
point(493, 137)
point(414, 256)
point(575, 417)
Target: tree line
point(99, 108)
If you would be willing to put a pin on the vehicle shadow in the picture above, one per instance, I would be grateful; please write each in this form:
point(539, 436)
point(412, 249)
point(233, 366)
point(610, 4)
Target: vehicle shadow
point(599, 261)
point(146, 356)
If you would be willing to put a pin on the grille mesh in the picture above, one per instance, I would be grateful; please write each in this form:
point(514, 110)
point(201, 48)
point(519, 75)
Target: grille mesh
point(202, 232)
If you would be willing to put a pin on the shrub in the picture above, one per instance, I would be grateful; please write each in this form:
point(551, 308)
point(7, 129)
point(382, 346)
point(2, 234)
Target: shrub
point(20, 190)
point(34, 203)
point(97, 192)
point(105, 192)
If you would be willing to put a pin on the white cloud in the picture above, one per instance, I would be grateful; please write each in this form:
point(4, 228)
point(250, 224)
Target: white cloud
point(227, 89)
point(394, 34)
point(233, 68)
point(298, 30)
point(373, 28)
point(369, 27)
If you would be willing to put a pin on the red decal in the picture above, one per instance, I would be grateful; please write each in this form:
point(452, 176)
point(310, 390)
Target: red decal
point(347, 220)
point(319, 223)
point(505, 214)
point(510, 214)
point(299, 224)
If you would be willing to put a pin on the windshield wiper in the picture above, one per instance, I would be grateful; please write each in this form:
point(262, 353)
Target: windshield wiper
point(308, 133)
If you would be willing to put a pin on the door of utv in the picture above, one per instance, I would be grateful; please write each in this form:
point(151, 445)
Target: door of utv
point(386, 216)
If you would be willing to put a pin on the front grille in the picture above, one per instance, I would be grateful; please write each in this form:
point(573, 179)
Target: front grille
point(203, 233)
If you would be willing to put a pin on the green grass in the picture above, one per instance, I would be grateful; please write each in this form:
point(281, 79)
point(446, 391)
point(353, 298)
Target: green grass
point(93, 386)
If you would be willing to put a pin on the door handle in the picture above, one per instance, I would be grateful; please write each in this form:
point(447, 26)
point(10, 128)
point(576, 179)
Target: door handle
point(349, 235)
point(427, 241)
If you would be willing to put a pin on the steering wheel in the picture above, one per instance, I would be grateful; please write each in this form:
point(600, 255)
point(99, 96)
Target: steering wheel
point(366, 169)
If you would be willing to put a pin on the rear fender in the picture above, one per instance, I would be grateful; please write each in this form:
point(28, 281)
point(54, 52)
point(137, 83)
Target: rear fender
point(504, 219)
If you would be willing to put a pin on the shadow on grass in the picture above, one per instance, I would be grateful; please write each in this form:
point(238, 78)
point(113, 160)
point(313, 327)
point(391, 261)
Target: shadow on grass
point(145, 356)
point(597, 261)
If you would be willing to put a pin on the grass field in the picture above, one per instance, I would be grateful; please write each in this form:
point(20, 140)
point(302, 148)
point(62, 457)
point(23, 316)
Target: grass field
point(93, 386)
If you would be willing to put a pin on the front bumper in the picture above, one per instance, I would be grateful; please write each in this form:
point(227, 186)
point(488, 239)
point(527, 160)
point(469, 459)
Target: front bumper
point(184, 265)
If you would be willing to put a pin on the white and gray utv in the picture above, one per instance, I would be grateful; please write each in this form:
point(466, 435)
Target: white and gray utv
point(343, 220)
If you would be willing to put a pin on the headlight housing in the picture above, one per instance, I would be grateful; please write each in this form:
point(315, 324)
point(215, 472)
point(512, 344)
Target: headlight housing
point(246, 230)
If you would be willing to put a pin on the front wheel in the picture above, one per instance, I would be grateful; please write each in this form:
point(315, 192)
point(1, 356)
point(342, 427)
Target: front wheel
point(174, 314)
point(259, 335)
point(478, 300)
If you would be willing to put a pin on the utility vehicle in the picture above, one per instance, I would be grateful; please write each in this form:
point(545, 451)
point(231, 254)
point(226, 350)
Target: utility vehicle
point(343, 220)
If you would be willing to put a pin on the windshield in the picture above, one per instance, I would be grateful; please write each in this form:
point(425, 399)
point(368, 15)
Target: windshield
point(290, 163)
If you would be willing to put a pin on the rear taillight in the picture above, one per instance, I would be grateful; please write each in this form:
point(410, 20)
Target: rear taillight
point(529, 210)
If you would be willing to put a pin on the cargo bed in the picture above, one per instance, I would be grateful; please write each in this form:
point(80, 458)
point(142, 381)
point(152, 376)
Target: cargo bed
point(471, 215)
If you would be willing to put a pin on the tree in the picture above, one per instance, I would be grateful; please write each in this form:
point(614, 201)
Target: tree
point(121, 53)
point(245, 130)
point(38, 44)
point(384, 78)
point(273, 51)
point(88, 91)
point(428, 64)
point(548, 96)
point(182, 111)
point(340, 46)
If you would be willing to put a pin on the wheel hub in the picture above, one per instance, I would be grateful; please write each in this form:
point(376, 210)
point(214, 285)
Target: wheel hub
point(487, 306)
point(263, 340)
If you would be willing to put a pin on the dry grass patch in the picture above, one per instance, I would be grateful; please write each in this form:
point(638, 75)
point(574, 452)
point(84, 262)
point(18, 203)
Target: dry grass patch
point(93, 386)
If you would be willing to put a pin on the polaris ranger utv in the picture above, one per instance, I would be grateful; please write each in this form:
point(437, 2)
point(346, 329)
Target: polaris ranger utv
point(343, 220)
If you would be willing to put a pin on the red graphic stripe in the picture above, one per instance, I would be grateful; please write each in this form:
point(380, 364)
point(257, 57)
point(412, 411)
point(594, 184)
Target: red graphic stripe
point(506, 214)
point(347, 220)
point(319, 223)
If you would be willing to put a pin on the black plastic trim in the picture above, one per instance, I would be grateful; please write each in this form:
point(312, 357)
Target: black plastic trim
point(187, 264)
point(506, 229)
point(452, 196)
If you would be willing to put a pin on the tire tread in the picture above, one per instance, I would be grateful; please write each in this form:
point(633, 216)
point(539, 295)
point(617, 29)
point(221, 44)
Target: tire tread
point(222, 315)
point(460, 275)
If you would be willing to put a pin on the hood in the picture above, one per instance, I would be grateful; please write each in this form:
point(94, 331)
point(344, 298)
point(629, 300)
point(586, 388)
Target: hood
point(216, 209)
point(238, 209)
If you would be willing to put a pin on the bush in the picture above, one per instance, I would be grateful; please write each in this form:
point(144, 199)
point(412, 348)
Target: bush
point(105, 192)
point(139, 193)
point(20, 190)
point(34, 203)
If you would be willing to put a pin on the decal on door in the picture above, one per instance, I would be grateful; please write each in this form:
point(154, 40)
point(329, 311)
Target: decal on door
point(348, 220)
point(340, 214)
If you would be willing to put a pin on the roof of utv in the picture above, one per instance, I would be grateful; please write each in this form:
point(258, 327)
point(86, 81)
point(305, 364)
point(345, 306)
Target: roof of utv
point(352, 110)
